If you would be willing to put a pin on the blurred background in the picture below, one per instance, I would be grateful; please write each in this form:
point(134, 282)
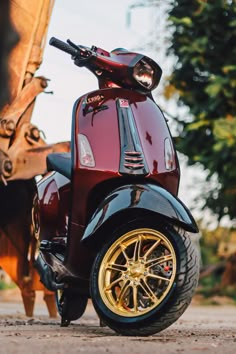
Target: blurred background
point(194, 43)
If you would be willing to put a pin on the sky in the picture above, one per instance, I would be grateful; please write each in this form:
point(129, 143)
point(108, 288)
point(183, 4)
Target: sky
point(102, 23)
point(84, 22)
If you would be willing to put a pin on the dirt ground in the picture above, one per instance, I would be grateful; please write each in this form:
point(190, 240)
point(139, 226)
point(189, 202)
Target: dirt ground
point(208, 329)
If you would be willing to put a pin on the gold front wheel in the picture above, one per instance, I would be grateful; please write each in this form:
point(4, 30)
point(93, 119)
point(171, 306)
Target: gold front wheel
point(137, 272)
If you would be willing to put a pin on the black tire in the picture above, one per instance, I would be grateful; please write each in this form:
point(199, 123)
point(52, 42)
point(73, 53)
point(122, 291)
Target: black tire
point(70, 305)
point(177, 298)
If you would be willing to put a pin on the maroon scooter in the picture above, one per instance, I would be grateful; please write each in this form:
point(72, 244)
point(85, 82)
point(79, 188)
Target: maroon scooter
point(107, 216)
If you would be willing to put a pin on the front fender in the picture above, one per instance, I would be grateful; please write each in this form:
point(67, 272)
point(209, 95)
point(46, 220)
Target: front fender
point(146, 197)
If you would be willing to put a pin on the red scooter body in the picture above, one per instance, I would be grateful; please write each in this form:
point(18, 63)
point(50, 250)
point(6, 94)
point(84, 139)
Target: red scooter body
point(129, 170)
point(91, 185)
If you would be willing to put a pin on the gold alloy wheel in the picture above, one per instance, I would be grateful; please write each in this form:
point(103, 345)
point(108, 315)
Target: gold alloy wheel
point(137, 272)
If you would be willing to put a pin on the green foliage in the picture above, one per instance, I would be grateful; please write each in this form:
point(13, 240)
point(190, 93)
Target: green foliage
point(204, 77)
point(4, 285)
point(209, 244)
point(209, 286)
point(213, 254)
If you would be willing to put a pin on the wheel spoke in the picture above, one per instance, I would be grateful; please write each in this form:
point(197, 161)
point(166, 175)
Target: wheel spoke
point(122, 293)
point(159, 260)
point(150, 275)
point(123, 250)
point(148, 290)
point(137, 248)
point(135, 298)
point(152, 248)
point(116, 267)
point(110, 286)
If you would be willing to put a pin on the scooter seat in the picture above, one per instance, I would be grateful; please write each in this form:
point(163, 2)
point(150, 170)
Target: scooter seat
point(60, 162)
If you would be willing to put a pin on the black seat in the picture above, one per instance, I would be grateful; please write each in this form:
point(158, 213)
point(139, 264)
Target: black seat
point(60, 162)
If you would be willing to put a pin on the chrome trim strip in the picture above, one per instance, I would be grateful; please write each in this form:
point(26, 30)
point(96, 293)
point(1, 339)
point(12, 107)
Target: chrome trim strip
point(132, 159)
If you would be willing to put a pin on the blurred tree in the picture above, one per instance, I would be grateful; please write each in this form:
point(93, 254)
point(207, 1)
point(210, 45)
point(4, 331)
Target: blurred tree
point(204, 79)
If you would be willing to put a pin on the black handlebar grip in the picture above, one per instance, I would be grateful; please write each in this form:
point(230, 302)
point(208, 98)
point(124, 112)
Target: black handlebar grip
point(63, 46)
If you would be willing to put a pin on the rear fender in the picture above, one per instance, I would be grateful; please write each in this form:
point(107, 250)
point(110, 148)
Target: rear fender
point(146, 198)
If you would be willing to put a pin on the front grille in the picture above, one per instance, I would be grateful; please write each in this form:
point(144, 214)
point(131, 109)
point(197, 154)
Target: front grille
point(133, 160)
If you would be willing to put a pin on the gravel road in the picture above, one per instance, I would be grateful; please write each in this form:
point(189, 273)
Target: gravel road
point(208, 329)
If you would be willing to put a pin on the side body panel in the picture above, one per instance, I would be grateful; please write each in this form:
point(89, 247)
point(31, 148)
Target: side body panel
point(54, 200)
point(153, 131)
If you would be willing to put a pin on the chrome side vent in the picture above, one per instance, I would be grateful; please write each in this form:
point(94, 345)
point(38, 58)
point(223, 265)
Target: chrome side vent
point(133, 160)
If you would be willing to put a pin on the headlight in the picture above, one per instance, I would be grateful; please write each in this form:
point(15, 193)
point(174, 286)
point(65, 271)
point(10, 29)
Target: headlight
point(144, 74)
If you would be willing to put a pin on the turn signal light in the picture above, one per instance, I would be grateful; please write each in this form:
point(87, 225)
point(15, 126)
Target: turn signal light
point(85, 152)
point(169, 155)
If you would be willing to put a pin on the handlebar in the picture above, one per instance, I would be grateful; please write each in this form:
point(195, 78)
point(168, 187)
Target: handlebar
point(63, 46)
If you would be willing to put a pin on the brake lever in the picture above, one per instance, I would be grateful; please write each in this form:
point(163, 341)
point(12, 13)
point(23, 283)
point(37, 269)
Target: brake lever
point(72, 44)
point(85, 53)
